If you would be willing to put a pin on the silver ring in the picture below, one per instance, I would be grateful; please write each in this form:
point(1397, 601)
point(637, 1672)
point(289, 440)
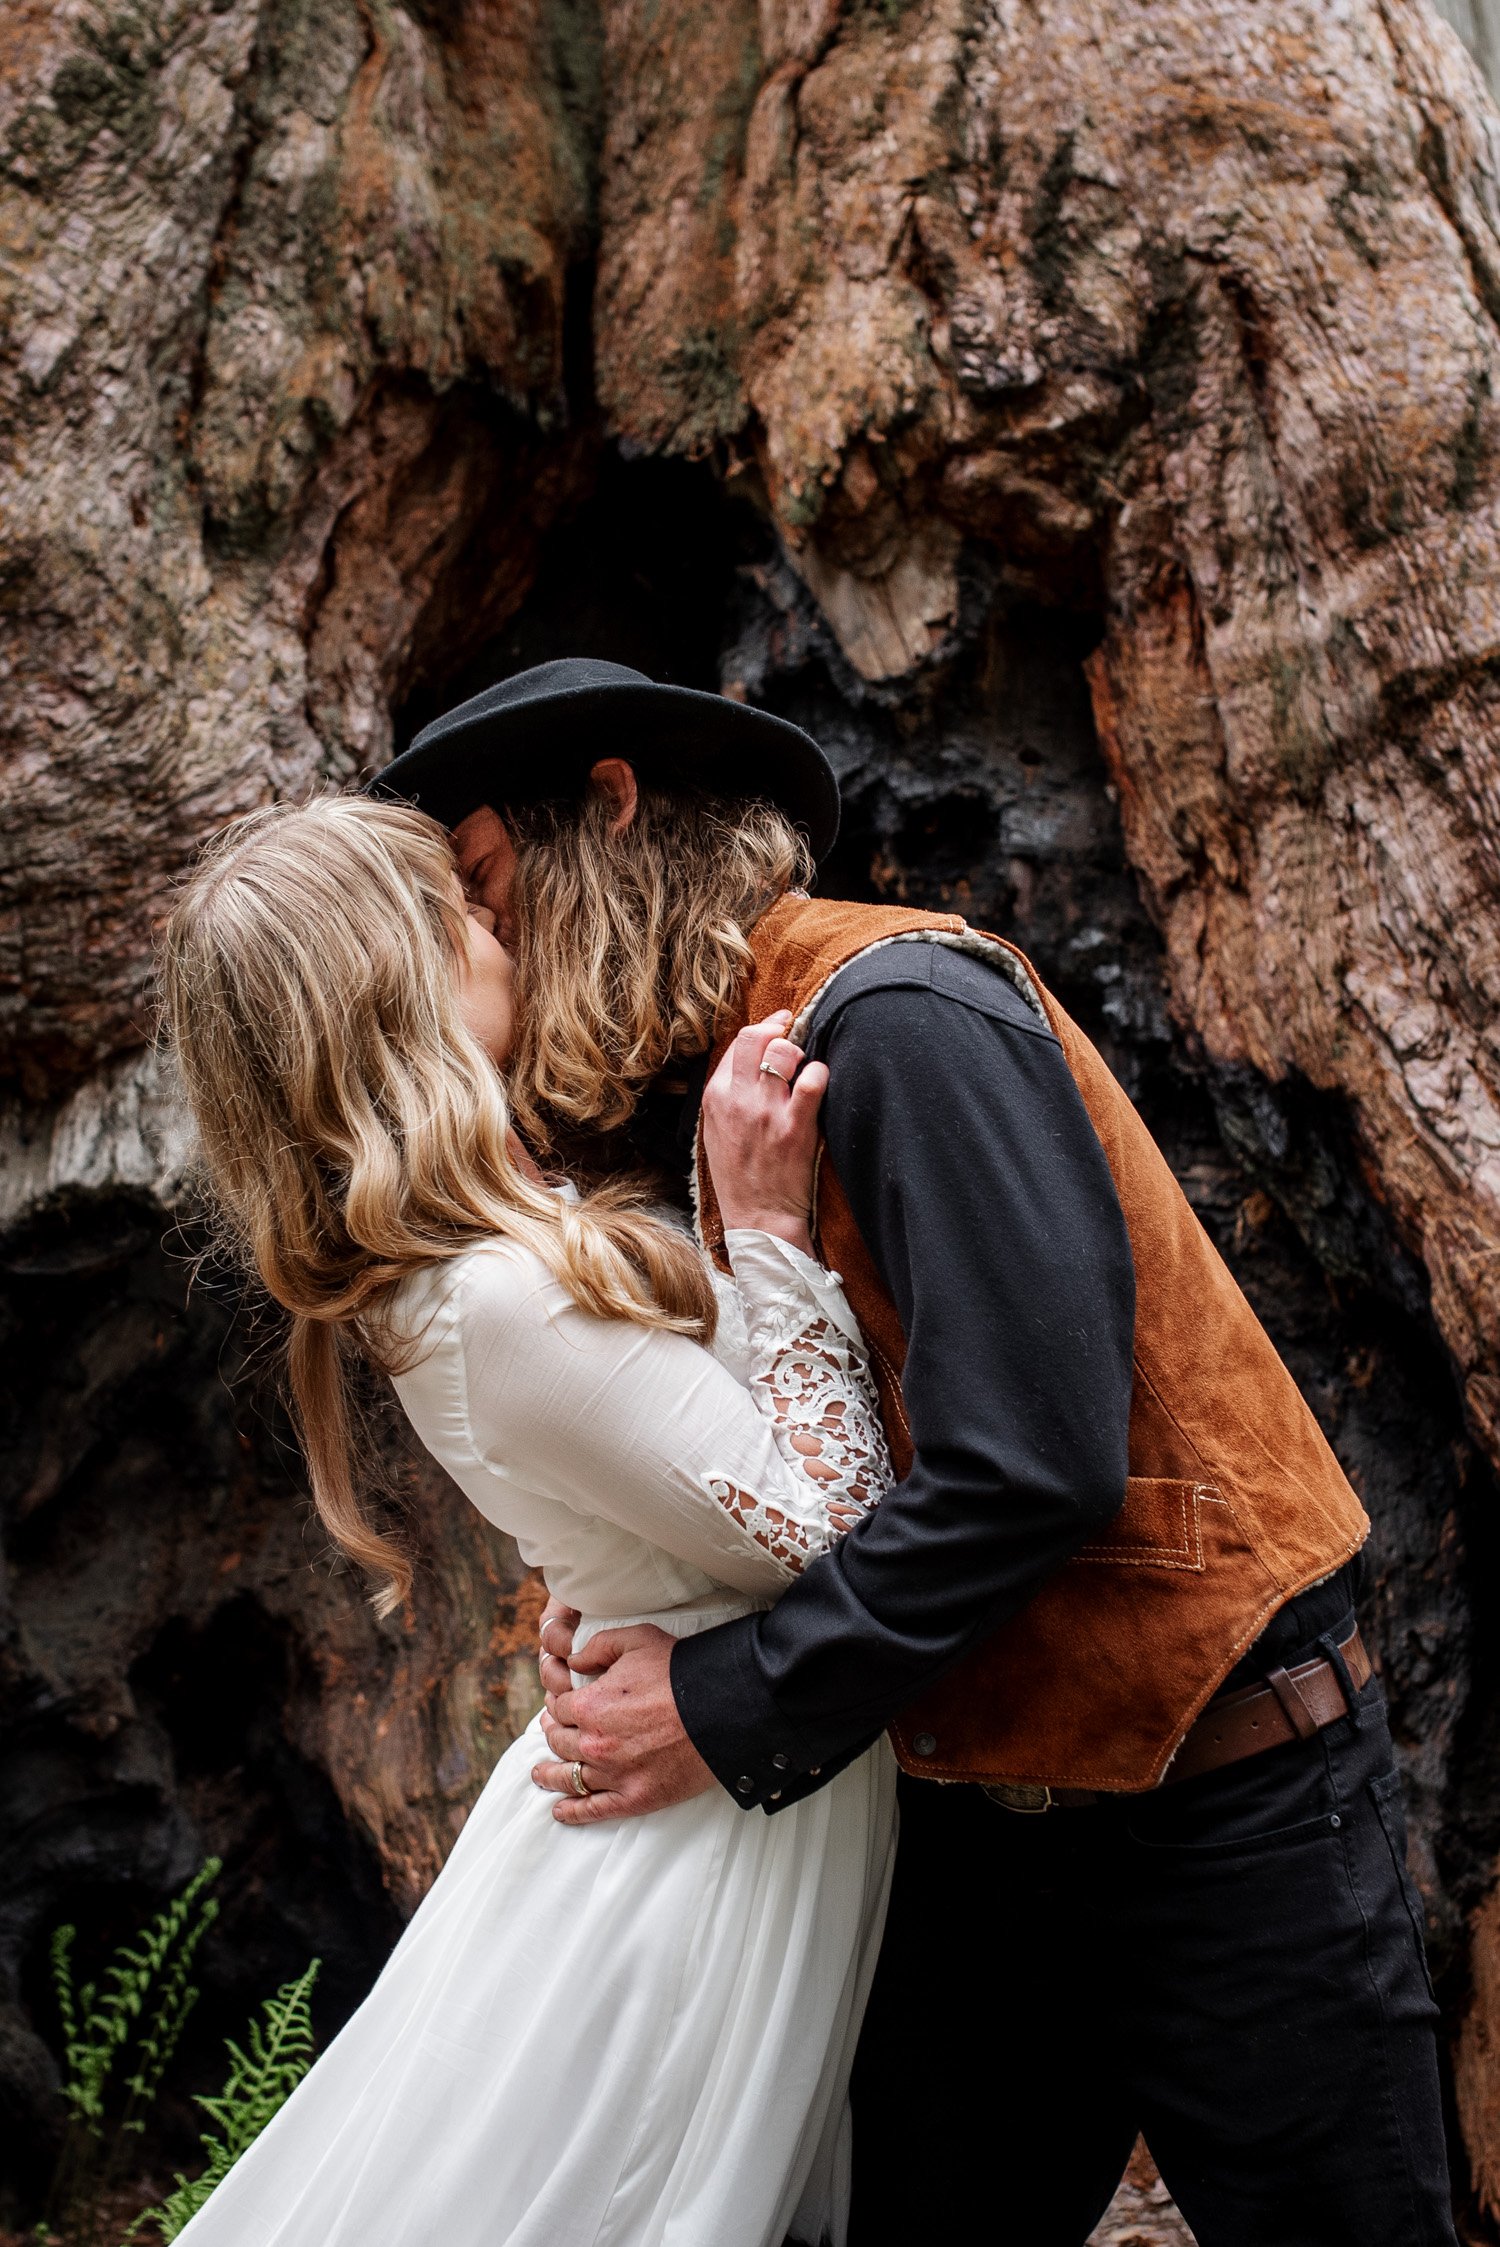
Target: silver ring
point(575, 1774)
point(766, 1070)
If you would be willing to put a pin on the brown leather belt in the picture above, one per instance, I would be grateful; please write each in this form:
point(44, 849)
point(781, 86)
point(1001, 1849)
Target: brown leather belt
point(1290, 1705)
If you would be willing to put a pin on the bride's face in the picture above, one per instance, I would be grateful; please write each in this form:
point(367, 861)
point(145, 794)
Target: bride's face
point(485, 979)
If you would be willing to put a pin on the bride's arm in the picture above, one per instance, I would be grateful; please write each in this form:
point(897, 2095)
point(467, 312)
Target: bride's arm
point(810, 1380)
point(815, 1408)
point(648, 1430)
point(808, 1366)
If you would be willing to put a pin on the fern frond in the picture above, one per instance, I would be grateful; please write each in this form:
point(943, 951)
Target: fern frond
point(174, 2000)
point(145, 1982)
point(160, 2039)
point(263, 2074)
point(61, 1954)
point(112, 2008)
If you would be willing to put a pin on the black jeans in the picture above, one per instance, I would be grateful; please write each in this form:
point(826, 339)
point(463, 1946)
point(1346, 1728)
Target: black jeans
point(1233, 1967)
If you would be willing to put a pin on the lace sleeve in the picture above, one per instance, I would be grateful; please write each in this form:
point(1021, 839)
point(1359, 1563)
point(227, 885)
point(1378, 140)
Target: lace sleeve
point(809, 1376)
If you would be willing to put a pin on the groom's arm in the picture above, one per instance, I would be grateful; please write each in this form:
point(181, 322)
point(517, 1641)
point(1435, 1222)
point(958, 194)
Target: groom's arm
point(980, 1188)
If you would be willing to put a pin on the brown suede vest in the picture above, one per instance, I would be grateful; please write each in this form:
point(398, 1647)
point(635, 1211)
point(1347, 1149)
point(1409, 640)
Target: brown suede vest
point(1234, 1501)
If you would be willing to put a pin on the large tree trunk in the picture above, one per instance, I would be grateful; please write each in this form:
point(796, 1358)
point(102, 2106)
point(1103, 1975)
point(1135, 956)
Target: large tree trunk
point(1088, 423)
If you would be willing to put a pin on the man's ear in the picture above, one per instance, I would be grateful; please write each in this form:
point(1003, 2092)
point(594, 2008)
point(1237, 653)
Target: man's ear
point(615, 779)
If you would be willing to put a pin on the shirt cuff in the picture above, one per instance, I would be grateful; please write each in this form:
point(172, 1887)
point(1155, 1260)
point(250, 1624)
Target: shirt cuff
point(733, 1722)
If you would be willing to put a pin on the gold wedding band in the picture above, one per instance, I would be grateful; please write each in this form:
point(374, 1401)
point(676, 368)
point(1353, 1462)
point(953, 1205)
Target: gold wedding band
point(766, 1070)
point(575, 1774)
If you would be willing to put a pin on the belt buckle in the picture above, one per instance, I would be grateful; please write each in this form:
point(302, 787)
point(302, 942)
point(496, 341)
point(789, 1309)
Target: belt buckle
point(1028, 1801)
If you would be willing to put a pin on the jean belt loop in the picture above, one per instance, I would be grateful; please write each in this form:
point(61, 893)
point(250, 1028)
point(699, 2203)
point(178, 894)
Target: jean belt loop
point(1329, 1646)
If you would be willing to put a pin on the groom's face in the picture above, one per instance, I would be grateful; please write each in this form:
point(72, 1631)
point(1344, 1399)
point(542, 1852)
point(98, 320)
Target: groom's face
point(486, 853)
point(486, 859)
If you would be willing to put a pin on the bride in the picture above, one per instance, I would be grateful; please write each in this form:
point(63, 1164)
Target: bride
point(627, 2034)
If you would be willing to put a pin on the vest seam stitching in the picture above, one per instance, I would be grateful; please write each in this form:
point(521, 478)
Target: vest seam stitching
point(1089, 1777)
point(1145, 1378)
point(1188, 1555)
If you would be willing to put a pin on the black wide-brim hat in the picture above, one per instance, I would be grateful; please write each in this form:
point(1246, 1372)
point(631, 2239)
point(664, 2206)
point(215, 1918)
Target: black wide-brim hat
point(535, 737)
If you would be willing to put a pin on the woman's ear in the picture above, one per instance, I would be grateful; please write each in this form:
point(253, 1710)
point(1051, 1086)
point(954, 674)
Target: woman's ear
point(615, 779)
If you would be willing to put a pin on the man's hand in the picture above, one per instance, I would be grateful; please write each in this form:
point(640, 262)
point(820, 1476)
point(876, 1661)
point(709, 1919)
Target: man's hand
point(624, 1730)
point(760, 1132)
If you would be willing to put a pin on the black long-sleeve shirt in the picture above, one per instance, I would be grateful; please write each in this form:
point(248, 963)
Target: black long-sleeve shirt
point(982, 1193)
point(980, 1188)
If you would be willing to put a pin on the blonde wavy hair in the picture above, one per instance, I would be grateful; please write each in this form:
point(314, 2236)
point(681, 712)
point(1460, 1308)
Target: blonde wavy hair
point(632, 947)
point(353, 1130)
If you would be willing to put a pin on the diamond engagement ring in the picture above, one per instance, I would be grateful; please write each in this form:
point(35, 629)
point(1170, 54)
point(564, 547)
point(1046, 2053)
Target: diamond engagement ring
point(767, 1070)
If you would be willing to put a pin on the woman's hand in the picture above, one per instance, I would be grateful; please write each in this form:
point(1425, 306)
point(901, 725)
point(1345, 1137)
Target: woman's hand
point(556, 1643)
point(760, 1132)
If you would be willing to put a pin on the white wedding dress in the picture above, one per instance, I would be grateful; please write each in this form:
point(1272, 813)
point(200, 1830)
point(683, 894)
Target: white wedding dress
point(639, 2033)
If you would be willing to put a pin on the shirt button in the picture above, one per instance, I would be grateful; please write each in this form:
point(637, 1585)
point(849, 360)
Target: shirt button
point(815, 1771)
point(776, 1795)
point(744, 1786)
point(780, 1762)
point(925, 1743)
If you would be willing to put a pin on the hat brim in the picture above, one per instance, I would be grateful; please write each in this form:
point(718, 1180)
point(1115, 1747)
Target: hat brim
point(539, 749)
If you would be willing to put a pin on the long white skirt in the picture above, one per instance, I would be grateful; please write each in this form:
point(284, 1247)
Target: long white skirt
point(624, 2035)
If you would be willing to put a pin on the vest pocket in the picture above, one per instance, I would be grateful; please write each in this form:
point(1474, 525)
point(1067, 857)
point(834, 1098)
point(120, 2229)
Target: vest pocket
point(1159, 1526)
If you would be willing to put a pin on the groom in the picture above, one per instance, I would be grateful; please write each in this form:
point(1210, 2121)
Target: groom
point(1152, 1867)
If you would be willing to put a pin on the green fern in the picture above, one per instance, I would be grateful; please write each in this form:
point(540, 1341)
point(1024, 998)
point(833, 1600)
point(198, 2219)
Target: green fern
point(261, 2079)
point(144, 1995)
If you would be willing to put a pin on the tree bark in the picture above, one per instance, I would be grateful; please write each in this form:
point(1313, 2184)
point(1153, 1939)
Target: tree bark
point(1019, 344)
point(286, 291)
point(1200, 301)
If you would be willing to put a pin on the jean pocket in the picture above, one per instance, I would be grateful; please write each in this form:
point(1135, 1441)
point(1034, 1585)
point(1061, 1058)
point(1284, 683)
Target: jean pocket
point(1271, 1801)
point(1385, 1794)
point(1203, 1837)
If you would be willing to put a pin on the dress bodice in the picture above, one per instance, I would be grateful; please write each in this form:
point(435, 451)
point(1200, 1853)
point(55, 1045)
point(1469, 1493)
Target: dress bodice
point(648, 1478)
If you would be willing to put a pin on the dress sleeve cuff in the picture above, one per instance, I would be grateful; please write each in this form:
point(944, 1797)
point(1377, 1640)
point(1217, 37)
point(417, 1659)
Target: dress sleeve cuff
point(764, 1266)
